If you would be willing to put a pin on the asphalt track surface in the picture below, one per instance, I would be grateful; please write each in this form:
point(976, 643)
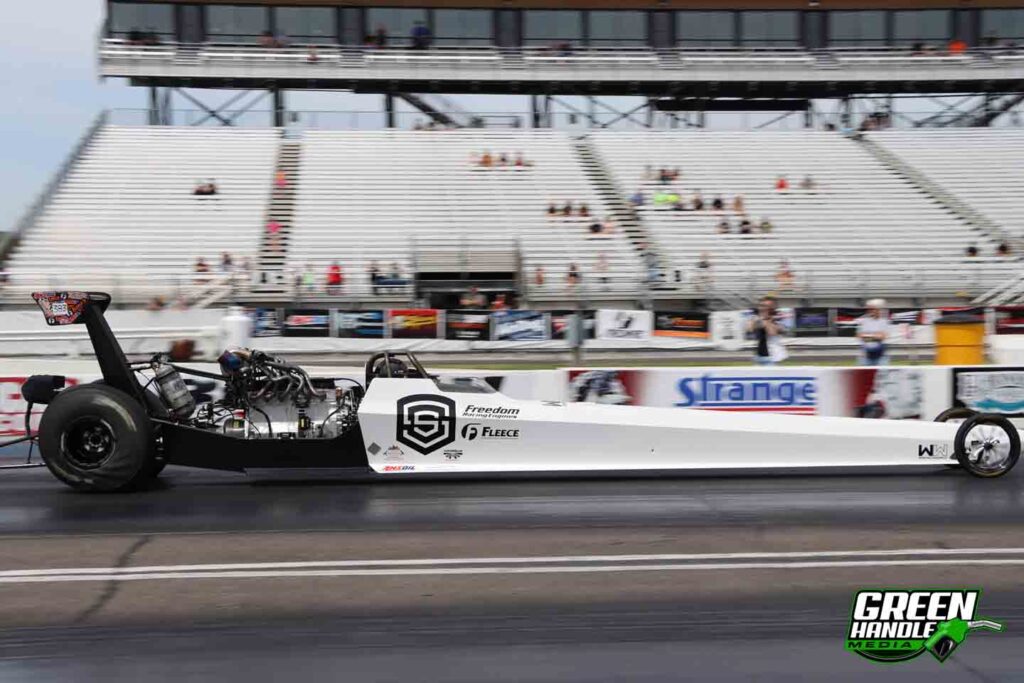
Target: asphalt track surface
point(218, 577)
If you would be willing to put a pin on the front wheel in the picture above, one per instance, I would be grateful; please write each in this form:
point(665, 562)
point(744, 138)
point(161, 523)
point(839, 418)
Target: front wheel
point(987, 445)
point(955, 416)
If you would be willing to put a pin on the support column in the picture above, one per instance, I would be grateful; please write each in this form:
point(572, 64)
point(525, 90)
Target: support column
point(809, 114)
point(279, 107)
point(154, 106)
point(846, 112)
point(534, 112)
point(389, 110)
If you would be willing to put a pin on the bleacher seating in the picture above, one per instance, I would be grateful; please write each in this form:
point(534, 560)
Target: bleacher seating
point(125, 217)
point(984, 167)
point(369, 196)
point(861, 231)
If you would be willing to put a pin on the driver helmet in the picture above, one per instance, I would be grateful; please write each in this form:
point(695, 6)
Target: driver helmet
point(389, 367)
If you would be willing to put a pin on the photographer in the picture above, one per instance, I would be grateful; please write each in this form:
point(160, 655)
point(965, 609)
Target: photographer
point(766, 329)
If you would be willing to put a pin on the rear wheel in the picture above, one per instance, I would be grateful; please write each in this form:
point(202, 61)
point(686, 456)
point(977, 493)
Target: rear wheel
point(97, 438)
point(987, 445)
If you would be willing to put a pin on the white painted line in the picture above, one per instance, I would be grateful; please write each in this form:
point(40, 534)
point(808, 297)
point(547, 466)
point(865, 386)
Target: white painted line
point(554, 559)
point(266, 572)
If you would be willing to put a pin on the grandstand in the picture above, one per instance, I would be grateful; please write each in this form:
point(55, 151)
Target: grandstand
point(888, 215)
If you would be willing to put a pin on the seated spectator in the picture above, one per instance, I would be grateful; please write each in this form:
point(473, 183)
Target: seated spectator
point(380, 37)
point(595, 228)
point(273, 227)
point(738, 204)
point(226, 264)
point(1003, 249)
point(502, 159)
point(312, 57)
point(421, 36)
point(538, 276)
point(500, 303)
point(972, 251)
point(267, 39)
point(280, 179)
point(698, 202)
point(520, 162)
point(781, 184)
point(135, 37)
point(486, 160)
point(664, 176)
point(807, 184)
point(473, 298)
point(723, 227)
point(374, 273)
point(957, 47)
point(784, 275)
point(584, 211)
point(637, 200)
point(679, 205)
point(766, 226)
point(307, 280)
point(746, 227)
point(567, 209)
point(717, 204)
point(201, 269)
point(157, 303)
point(335, 278)
point(207, 189)
point(572, 276)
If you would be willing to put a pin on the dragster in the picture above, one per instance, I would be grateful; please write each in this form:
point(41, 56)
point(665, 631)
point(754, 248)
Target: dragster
point(119, 433)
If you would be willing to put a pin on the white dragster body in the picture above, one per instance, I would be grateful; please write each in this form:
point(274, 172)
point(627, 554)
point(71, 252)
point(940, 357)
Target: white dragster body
point(419, 425)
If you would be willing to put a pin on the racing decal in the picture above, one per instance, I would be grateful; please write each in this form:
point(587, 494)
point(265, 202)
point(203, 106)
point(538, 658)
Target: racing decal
point(426, 422)
point(490, 412)
point(936, 451)
point(900, 625)
point(474, 430)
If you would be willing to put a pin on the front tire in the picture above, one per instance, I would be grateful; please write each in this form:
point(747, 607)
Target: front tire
point(987, 446)
point(97, 438)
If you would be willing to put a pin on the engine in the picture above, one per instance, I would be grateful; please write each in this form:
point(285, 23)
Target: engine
point(267, 397)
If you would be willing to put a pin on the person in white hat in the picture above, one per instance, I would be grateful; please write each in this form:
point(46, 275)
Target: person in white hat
point(873, 332)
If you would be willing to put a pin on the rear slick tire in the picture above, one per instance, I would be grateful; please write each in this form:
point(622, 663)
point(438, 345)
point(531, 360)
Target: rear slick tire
point(99, 439)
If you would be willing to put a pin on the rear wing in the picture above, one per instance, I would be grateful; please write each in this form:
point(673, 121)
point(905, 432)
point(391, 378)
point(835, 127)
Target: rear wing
point(87, 308)
point(66, 308)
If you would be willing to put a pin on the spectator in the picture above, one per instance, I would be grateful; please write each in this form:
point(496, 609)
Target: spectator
point(595, 228)
point(873, 331)
point(567, 210)
point(738, 204)
point(335, 278)
point(957, 47)
point(502, 159)
point(972, 251)
point(201, 269)
point(766, 328)
point(267, 40)
point(1003, 249)
point(746, 227)
point(807, 184)
point(608, 226)
point(280, 180)
point(207, 189)
point(486, 160)
point(781, 184)
point(572, 276)
point(552, 209)
point(637, 200)
point(500, 303)
point(312, 57)
point(380, 38)
point(374, 271)
point(717, 204)
point(601, 268)
point(664, 176)
point(698, 201)
point(421, 36)
point(703, 275)
point(226, 264)
point(678, 205)
point(538, 276)
point(157, 303)
point(308, 280)
point(472, 298)
point(521, 162)
point(784, 275)
point(723, 227)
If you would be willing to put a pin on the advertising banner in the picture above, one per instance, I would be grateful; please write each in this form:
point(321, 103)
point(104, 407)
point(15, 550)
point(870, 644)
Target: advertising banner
point(624, 324)
point(811, 322)
point(847, 320)
point(1009, 319)
point(307, 322)
point(990, 389)
point(266, 322)
point(468, 325)
point(520, 326)
point(413, 323)
point(359, 324)
point(560, 324)
point(692, 325)
point(890, 393)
